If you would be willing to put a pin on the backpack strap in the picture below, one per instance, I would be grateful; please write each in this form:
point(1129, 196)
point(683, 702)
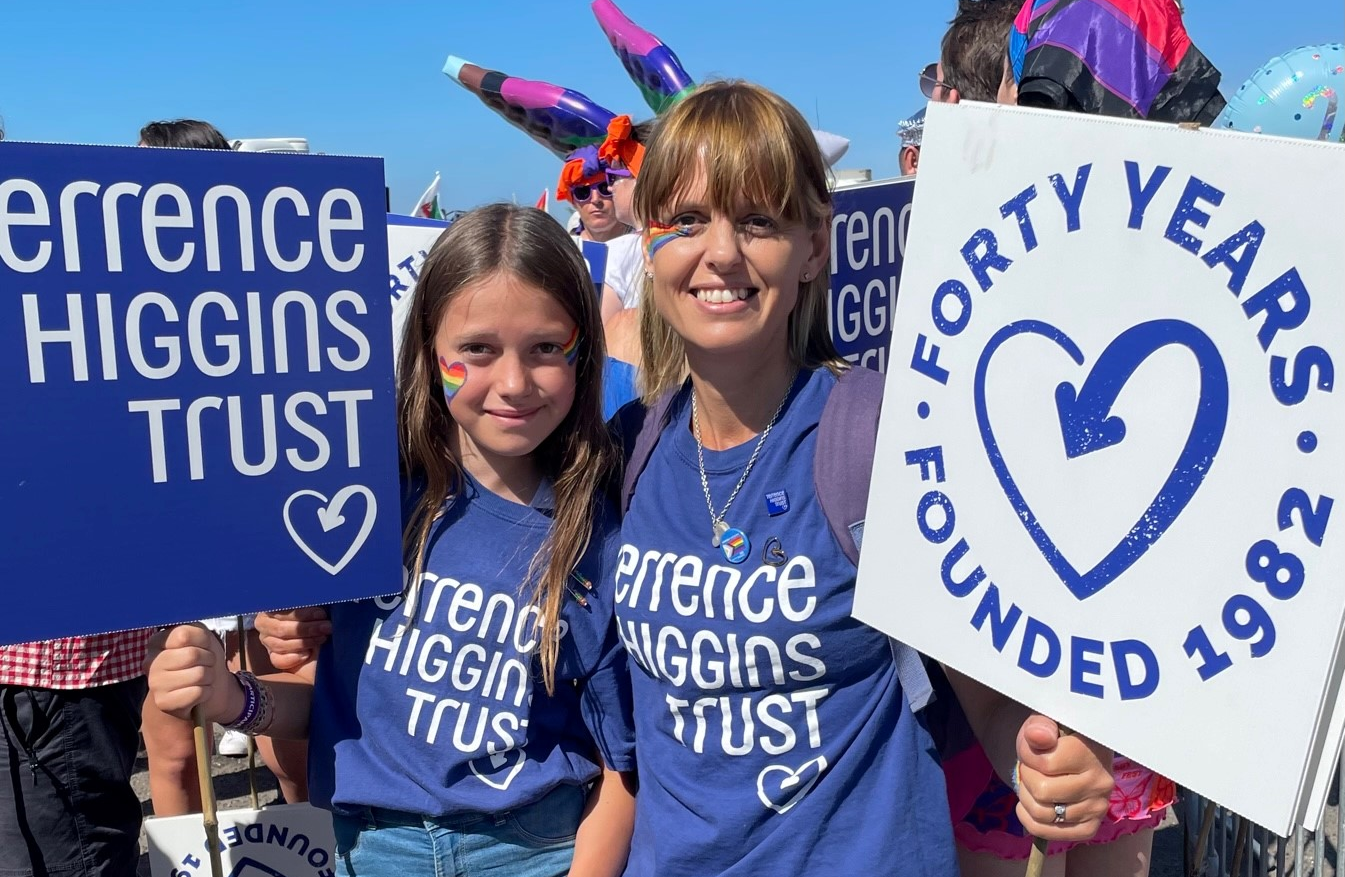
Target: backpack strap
point(639, 428)
point(842, 465)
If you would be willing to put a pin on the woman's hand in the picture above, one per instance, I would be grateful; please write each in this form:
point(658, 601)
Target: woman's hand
point(187, 668)
point(1061, 774)
point(293, 638)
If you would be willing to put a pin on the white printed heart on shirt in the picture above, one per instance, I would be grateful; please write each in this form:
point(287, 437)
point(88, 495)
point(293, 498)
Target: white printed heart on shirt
point(493, 763)
point(330, 517)
point(780, 787)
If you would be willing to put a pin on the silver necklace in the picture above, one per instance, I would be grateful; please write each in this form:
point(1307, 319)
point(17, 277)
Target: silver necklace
point(733, 541)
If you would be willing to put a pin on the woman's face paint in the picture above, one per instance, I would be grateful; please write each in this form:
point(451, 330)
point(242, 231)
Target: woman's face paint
point(572, 346)
point(453, 375)
point(657, 234)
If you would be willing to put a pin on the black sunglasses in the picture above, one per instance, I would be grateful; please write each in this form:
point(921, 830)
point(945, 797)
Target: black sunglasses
point(582, 194)
point(929, 80)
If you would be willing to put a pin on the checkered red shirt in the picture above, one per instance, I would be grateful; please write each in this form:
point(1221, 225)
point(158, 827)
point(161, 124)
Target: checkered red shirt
point(76, 661)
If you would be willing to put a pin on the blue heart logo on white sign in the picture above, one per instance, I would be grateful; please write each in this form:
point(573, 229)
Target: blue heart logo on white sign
point(1087, 426)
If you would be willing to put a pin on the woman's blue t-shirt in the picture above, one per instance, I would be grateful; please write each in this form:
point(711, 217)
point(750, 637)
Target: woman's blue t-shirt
point(448, 714)
point(773, 734)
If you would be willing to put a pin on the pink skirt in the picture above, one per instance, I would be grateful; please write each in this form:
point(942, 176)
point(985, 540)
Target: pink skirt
point(984, 819)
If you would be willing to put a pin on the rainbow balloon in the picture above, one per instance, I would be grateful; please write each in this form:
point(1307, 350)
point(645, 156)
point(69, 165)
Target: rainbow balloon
point(652, 66)
point(453, 376)
point(558, 118)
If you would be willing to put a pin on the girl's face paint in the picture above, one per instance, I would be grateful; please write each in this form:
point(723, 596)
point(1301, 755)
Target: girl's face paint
point(454, 375)
point(657, 234)
point(571, 348)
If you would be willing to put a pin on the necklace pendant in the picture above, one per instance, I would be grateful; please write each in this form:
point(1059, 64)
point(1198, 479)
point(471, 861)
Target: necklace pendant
point(719, 528)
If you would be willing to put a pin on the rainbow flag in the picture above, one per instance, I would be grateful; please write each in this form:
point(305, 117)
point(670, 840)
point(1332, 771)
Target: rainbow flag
point(1126, 58)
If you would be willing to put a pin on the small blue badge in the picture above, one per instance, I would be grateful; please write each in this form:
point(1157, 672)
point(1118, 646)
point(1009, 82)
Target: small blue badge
point(777, 502)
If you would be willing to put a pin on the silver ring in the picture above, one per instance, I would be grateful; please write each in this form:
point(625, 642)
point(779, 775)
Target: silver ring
point(1059, 814)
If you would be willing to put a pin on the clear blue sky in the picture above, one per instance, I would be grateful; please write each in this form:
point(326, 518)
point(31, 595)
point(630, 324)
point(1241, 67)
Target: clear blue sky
point(364, 78)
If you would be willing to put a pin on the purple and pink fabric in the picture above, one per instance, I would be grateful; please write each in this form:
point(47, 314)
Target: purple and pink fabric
point(1126, 58)
point(984, 819)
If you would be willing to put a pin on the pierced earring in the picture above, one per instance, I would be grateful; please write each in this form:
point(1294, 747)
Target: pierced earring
point(807, 277)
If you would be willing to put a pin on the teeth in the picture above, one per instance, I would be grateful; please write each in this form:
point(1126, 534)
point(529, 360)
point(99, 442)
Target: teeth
point(722, 296)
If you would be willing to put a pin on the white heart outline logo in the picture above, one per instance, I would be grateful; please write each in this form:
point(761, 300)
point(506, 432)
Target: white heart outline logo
point(791, 779)
point(330, 517)
point(502, 758)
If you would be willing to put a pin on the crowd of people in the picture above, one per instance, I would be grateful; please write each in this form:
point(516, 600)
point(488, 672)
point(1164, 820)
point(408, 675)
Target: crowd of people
point(577, 677)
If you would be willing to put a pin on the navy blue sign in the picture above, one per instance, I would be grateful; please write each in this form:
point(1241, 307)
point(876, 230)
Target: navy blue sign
point(196, 363)
point(868, 243)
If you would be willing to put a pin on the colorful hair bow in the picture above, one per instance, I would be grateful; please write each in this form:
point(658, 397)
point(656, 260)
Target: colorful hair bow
point(558, 118)
point(622, 146)
point(582, 167)
point(652, 66)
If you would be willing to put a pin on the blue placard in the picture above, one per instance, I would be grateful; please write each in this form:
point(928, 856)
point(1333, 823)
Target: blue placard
point(868, 242)
point(195, 355)
point(595, 256)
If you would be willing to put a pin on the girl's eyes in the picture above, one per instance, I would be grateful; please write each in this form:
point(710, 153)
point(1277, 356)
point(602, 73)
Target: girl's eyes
point(549, 347)
point(476, 349)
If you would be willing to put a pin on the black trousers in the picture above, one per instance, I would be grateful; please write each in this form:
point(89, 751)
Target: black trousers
point(66, 803)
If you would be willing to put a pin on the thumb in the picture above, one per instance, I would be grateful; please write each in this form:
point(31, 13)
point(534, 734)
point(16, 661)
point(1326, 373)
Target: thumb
point(1039, 734)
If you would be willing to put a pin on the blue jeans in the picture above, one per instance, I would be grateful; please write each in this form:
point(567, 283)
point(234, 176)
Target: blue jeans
point(532, 841)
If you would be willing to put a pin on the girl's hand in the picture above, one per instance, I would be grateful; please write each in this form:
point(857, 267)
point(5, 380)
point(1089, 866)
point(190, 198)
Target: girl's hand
point(293, 638)
point(1071, 771)
point(187, 668)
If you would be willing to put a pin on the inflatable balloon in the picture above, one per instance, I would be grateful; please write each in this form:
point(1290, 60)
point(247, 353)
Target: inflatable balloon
point(558, 118)
point(652, 66)
point(1296, 94)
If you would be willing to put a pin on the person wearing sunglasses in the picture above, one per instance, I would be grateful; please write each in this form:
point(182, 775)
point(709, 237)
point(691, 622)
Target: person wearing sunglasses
point(583, 182)
point(973, 62)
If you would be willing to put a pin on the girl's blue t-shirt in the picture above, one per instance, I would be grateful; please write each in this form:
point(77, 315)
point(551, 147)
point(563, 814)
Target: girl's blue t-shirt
point(773, 734)
point(448, 714)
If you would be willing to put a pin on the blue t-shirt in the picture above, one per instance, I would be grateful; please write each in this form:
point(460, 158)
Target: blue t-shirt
point(449, 715)
point(773, 734)
point(618, 386)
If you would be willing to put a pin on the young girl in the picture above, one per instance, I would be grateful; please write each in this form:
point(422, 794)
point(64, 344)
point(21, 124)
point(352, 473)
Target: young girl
point(452, 726)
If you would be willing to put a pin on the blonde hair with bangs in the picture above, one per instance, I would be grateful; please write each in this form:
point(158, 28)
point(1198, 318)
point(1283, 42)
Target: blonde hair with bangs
point(756, 147)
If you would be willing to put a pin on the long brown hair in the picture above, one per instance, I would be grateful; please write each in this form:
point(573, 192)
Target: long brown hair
point(753, 144)
point(578, 455)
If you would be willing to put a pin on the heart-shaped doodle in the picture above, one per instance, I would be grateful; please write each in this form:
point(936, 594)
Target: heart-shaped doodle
point(499, 768)
point(330, 517)
point(1087, 426)
point(780, 787)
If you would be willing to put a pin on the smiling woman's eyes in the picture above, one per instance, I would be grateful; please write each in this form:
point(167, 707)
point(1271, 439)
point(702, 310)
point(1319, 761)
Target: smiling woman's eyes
point(758, 223)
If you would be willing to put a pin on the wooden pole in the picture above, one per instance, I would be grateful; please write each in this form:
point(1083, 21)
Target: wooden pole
point(1036, 860)
point(208, 814)
point(1203, 838)
point(252, 741)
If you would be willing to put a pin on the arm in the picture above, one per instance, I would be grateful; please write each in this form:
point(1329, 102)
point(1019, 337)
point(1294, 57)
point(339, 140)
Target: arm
point(187, 669)
point(603, 842)
point(1052, 769)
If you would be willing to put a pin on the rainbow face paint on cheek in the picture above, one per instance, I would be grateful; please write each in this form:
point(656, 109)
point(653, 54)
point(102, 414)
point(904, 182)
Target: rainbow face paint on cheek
point(571, 348)
point(454, 376)
point(656, 235)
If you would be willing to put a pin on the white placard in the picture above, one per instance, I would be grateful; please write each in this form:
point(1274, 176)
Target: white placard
point(1111, 455)
point(289, 840)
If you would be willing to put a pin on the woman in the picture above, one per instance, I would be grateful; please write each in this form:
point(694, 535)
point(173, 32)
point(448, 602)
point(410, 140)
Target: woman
point(773, 732)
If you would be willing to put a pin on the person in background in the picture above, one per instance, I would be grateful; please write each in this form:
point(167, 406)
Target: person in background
point(973, 63)
point(911, 130)
point(583, 183)
point(183, 134)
